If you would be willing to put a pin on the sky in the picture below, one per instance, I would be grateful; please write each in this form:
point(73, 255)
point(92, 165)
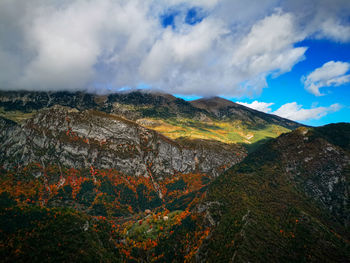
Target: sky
point(290, 58)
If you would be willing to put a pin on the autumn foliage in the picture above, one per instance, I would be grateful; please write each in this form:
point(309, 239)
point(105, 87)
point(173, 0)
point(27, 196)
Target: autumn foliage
point(107, 197)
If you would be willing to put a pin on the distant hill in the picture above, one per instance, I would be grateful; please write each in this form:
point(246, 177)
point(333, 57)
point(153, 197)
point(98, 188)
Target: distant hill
point(225, 109)
point(212, 119)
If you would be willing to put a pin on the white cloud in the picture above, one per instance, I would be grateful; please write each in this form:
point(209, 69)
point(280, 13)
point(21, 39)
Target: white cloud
point(269, 46)
point(295, 112)
point(257, 105)
point(78, 45)
point(292, 110)
point(181, 52)
point(330, 74)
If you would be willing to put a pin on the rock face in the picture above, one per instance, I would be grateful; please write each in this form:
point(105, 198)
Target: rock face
point(70, 138)
point(320, 168)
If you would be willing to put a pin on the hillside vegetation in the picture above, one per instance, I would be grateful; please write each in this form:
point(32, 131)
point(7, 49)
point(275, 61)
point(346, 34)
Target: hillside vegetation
point(286, 202)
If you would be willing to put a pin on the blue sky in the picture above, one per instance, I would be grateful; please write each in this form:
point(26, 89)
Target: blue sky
point(288, 87)
point(290, 58)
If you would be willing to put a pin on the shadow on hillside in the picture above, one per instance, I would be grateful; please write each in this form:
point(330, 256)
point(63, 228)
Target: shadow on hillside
point(252, 147)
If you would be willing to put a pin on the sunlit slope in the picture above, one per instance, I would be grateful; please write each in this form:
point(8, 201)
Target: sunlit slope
point(224, 131)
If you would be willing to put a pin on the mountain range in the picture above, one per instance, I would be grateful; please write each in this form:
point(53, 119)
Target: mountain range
point(148, 177)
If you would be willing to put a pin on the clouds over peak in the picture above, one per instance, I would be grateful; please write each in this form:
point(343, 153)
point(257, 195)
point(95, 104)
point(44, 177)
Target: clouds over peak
point(330, 74)
point(79, 45)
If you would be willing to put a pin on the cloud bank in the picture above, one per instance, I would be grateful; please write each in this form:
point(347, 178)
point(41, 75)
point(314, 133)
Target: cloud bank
point(293, 110)
point(202, 47)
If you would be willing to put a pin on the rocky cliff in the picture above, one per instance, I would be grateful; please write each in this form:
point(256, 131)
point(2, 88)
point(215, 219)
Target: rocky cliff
point(70, 138)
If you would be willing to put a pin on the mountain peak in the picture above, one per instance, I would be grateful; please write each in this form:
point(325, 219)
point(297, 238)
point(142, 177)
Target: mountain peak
point(212, 103)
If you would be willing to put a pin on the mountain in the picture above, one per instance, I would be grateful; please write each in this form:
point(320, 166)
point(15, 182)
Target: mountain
point(131, 104)
point(226, 109)
point(286, 202)
point(60, 148)
point(80, 139)
point(94, 174)
point(209, 119)
point(148, 177)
